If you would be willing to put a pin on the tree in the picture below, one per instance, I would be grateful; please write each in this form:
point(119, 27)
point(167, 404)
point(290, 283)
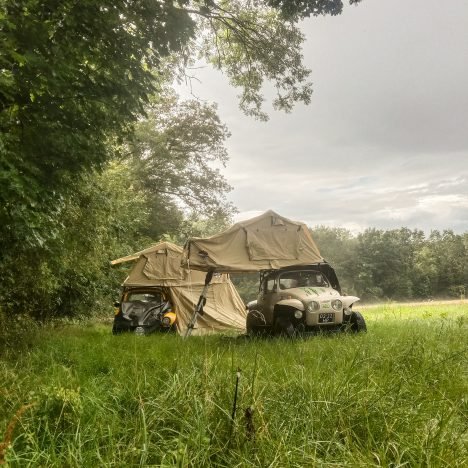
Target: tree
point(146, 194)
point(174, 149)
point(72, 275)
point(75, 77)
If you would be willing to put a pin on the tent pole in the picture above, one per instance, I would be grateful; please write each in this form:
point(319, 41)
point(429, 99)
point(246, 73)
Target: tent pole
point(199, 306)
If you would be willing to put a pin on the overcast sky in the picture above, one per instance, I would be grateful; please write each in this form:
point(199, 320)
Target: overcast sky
point(384, 142)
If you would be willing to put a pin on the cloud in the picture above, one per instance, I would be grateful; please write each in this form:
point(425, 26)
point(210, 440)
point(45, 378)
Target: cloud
point(384, 142)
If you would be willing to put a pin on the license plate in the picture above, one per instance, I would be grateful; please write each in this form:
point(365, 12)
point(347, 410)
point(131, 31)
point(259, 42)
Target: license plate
point(326, 317)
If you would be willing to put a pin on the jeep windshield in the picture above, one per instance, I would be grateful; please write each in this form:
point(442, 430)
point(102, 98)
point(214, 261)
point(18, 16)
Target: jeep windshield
point(302, 278)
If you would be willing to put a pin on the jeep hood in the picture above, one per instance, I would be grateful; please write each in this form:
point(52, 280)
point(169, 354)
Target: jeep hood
point(310, 293)
point(318, 294)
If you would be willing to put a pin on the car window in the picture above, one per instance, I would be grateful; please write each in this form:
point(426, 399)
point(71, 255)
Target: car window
point(269, 284)
point(144, 297)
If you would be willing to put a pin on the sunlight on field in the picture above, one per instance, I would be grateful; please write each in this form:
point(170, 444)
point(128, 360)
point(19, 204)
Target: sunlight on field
point(394, 396)
point(429, 310)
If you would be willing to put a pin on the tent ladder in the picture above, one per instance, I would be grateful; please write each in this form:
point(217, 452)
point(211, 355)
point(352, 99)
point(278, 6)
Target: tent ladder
point(199, 306)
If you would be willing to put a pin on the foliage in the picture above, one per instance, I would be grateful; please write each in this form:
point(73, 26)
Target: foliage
point(163, 184)
point(247, 285)
point(338, 247)
point(74, 76)
point(253, 44)
point(72, 275)
point(306, 8)
point(395, 396)
point(397, 263)
point(173, 154)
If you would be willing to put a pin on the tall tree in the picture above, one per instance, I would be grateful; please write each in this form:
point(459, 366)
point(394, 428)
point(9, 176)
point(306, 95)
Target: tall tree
point(75, 76)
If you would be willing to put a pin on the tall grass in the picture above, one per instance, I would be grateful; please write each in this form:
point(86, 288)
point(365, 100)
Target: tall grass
point(396, 396)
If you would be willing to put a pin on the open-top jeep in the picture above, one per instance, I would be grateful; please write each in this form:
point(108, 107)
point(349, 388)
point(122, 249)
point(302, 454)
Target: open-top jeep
point(302, 298)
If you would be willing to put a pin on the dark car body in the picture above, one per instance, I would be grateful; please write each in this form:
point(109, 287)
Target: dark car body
point(144, 310)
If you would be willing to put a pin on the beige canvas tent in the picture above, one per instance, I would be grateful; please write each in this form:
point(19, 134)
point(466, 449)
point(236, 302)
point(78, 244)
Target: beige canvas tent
point(160, 265)
point(266, 242)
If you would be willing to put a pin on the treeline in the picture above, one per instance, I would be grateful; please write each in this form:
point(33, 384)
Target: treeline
point(396, 264)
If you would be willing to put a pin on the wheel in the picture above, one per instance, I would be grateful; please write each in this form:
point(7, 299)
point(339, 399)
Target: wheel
point(283, 326)
point(251, 323)
point(357, 322)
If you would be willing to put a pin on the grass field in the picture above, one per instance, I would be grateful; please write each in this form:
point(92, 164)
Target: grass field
point(396, 396)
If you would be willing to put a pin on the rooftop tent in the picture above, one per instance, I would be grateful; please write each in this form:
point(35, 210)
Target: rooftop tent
point(265, 242)
point(160, 265)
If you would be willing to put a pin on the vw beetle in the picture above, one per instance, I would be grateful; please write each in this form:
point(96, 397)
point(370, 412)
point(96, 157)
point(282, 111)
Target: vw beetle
point(302, 298)
point(144, 311)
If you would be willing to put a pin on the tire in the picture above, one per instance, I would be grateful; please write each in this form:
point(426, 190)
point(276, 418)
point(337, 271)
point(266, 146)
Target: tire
point(357, 323)
point(251, 324)
point(284, 327)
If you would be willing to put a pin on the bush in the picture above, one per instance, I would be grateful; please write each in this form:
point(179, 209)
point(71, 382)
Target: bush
point(17, 332)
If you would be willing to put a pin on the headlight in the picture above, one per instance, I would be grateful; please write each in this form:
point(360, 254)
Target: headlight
point(166, 321)
point(298, 314)
point(313, 306)
point(337, 304)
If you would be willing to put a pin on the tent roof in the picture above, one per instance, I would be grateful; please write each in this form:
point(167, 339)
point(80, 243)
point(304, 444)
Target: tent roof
point(266, 242)
point(161, 265)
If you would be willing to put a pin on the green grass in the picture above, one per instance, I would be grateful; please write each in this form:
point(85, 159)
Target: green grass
point(396, 396)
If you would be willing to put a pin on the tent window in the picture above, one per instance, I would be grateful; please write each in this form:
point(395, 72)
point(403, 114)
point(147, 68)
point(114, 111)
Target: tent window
point(275, 221)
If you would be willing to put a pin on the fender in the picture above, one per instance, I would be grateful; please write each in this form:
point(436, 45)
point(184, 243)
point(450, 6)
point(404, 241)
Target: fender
point(295, 303)
point(348, 301)
point(251, 305)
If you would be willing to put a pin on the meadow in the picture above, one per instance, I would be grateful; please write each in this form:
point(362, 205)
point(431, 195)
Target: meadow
point(75, 395)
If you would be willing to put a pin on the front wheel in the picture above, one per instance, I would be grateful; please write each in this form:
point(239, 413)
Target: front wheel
point(357, 322)
point(255, 323)
point(283, 326)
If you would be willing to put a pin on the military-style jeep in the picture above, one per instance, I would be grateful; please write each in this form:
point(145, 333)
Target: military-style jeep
point(302, 298)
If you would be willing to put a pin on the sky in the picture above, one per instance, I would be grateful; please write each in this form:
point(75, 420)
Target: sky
point(384, 142)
